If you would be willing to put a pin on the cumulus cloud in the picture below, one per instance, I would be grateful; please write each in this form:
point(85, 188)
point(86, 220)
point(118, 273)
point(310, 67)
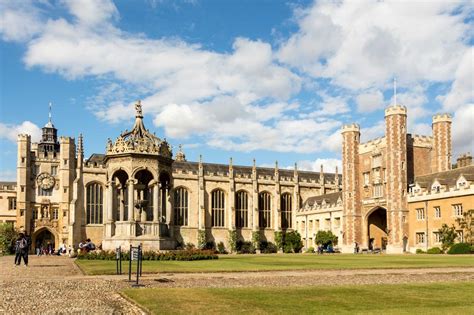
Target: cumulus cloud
point(329, 165)
point(366, 43)
point(11, 131)
point(19, 20)
point(463, 133)
point(370, 101)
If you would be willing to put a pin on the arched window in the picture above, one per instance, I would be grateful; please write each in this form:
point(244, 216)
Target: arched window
point(94, 203)
point(264, 210)
point(218, 207)
point(286, 207)
point(241, 209)
point(180, 206)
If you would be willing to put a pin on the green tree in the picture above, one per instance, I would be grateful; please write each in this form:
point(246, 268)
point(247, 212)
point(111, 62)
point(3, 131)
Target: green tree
point(466, 222)
point(201, 239)
point(256, 239)
point(233, 240)
point(447, 236)
point(8, 235)
point(325, 238)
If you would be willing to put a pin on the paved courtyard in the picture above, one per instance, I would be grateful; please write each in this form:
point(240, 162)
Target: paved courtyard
point(55, 285)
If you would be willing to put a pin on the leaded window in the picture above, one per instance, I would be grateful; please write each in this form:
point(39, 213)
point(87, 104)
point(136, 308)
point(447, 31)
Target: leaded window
point(286, 207)
point(94, 203)
point(241, 209)
point(181, 206)
point(264, 210)
point(218, 208)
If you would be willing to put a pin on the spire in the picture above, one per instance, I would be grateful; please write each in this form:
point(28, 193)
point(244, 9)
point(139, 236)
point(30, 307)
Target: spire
point(180, 156)
point(49, 124)
point(394, 91)
point(80, 145)
point(138, 109)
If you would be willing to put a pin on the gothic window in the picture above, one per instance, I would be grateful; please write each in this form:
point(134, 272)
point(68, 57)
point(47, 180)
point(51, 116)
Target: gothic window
point(420, 214)
point(55, 213)
point(218, 207)
point(94, 203)
point(457, 210)
point(45, 192)
point(241, 209)
point(264, 210)
point(286, 209)
point(181, 206)
point(420, 237)
point(437, 212)
point(12, 203)
point(35, 214)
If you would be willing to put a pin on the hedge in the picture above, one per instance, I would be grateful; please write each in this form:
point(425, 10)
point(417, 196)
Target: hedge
point(434, 250)
point(182, 255)
point(460, 248)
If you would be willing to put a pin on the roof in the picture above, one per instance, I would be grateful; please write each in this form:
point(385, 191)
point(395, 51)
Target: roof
point(224, 168)
point(96, 158)
point(446, 178)
point(328, 198)
point(9, 184)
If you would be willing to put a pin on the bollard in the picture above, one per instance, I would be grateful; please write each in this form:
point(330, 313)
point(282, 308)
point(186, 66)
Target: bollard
point(130, 264)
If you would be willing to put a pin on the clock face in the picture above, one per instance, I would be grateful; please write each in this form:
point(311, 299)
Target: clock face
point(45, 181)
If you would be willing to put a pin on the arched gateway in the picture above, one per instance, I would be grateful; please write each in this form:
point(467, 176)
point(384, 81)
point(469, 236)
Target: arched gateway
point(377, 229)
point(138, 198)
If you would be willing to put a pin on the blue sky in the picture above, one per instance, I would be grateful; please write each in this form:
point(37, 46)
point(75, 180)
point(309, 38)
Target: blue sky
point(271, 80)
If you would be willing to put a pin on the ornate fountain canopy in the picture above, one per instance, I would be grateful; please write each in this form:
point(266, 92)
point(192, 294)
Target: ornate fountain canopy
point(138, 140)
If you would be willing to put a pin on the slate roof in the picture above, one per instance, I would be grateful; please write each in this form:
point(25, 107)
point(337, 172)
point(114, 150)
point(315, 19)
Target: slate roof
point(329, 198)
point(96, 158)
point(446, 178)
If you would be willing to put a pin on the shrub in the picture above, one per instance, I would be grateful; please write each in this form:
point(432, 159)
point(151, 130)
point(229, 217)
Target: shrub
point(233, 240)
point(268, 247)
point(472, 249)
point(325, 238)
point(447, 236)
point(293, 242)
point(8, 235)
point(310, 250)
point(181, 255)
point(245, 247)
point(256, 239)
point(201, 239)
point(279, 239)
point(460, 248)
point(420, 251)
point(221, 248)
point(189, 246)
point(434, 250)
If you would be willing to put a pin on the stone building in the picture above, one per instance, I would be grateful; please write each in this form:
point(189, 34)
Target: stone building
point(378, 203)
point(389, 196)
point(137, 192)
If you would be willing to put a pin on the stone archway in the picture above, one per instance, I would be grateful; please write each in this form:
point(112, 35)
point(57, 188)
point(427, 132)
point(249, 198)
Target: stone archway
point(43, 237)
point(377, 229)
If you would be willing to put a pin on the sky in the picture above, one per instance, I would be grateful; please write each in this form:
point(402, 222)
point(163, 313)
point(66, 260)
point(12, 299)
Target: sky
point(264, 79)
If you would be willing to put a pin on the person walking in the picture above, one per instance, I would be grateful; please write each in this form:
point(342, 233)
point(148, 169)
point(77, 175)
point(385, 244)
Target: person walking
point(21, 250)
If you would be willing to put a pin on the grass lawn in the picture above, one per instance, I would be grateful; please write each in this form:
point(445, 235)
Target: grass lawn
point(285, 262)
point(433, 298)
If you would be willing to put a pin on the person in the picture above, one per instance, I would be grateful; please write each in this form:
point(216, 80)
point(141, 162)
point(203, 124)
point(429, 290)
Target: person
point(69, 250)
point(356, 248)
point(89, 245)
point(21, 250)
point(38, 248)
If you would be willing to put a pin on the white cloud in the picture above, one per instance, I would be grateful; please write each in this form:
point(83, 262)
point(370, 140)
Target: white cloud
point(462, 90)
point(11, 131)
point(463, 133)
point(19, 20)
point(93, 13)
point(370, 101)
point(366, 43)
point(329, 165)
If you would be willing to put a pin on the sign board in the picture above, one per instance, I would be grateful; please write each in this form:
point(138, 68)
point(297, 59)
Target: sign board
point(135, 253)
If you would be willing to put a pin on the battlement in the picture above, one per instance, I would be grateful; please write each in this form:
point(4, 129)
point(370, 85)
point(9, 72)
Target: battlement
point(351, 128)
point(395, 110)
point(422, 141)
point(66, 140)
point(445, 117)
point(24, 137)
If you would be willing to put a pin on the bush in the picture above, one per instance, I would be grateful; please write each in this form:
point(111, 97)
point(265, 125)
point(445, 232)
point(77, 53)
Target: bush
point(8, 235)
point(310, 250)
point(268, 247)
point(256, 239)
point(293, 242)
point(472, 249)
point(189, 246)
point(221, 248)
point(325, 238)
point(233, 240)
point(180, 255)
point(420, 251)
point(279, 239)
point(201, 239)
point(245, 247)
point(460, 248)
point(434, 250)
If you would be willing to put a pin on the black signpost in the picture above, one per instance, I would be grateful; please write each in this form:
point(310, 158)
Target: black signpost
point(135, 254)
point(118, 259)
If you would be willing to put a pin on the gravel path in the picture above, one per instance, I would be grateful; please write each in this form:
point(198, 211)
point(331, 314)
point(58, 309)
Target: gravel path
point(55, 285)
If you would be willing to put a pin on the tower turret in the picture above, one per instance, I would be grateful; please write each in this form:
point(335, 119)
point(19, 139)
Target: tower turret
point(442, 149)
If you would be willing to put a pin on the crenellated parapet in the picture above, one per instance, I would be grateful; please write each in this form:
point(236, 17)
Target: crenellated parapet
point(395, 110)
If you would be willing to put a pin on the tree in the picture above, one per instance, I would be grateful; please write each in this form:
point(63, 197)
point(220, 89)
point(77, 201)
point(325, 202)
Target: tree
point(447, 236)
point(8, 235)
point(467, 224)
point(325, 238)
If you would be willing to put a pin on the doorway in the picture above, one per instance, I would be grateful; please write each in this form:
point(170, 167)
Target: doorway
point(377, 229)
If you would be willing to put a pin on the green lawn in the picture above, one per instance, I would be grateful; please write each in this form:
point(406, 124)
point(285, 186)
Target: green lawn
point(433, 298)
point(285, 262)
